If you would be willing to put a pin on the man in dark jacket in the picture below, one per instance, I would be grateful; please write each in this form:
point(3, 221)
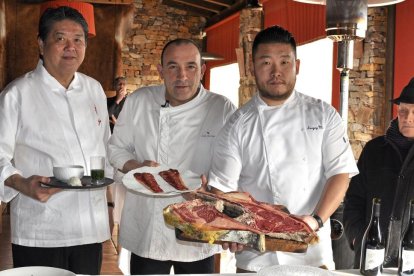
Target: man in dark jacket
point(386, 167)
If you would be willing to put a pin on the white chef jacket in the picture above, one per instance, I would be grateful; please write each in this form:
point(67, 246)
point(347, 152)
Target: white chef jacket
point(43, 124)
point(178, 137)
point(283, 155)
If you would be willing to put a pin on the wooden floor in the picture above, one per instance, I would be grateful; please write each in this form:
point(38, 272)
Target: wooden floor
point(110, 257)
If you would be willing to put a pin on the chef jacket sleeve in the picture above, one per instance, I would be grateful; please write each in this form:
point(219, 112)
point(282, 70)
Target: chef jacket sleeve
point(9, 120)
point(227, 161)
point(121, 144)
point(336, 150)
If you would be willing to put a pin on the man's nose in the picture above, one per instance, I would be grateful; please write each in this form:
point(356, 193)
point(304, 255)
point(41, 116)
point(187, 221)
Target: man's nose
point(181, 73)
point(410, 116)
point(275, 70)
point(70, 44)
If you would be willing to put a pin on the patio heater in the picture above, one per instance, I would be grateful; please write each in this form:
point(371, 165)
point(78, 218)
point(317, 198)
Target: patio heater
point(346, 22)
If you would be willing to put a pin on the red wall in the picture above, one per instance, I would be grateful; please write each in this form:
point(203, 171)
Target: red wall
point(404, 46)
point(222, 39)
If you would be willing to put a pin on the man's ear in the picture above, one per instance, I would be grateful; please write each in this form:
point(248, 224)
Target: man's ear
point(297, 64)
point(203, 70)
point(41, 45)
point(159, 69)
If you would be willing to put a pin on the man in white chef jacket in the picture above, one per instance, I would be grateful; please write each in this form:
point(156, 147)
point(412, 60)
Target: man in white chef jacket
point(284, 147)
point(52, 116)
point(174, 125)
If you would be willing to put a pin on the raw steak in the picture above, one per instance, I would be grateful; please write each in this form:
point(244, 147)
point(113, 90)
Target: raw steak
point(173, 178)
point(148, 180)
point(237, 217)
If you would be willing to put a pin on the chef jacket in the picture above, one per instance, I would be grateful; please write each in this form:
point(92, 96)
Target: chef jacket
point(283, 155)
point(43, 124)
point(176, 136)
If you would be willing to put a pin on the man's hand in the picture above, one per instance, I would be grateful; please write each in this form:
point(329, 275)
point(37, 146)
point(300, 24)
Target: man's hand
point(204, 183)
point(120, 94)
point(311, 221)
point(134, 164)
point(31, 186)
point(113, 119)
point(233, 247)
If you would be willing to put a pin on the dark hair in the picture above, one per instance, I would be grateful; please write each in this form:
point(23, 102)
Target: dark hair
point(180, 41)
point(118, 79)
point(273, 34)
point(53, 15)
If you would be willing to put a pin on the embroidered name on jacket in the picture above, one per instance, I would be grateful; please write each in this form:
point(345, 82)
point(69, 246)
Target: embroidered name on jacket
point(318, 127)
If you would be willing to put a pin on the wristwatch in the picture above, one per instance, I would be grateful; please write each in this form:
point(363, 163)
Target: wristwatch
point(111, 204)
point(318, 220)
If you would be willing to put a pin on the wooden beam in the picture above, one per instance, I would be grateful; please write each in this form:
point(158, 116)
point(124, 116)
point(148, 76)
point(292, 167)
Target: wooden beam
point(237, 6)
point(218, 3)
point(197, 6)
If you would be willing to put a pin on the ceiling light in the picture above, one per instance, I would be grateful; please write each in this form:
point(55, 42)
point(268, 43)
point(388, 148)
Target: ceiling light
point(371, 3)
point(211, 56)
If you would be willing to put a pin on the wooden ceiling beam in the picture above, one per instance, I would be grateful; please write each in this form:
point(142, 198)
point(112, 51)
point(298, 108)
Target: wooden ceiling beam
point(237, 6)
point(197, 6)
point(220, 3)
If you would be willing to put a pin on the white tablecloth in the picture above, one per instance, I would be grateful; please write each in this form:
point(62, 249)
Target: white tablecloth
point(386, 272)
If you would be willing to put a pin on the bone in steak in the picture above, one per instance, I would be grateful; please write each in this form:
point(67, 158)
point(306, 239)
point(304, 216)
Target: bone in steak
point(237, 217)
point(148, 180)
point(173, 178)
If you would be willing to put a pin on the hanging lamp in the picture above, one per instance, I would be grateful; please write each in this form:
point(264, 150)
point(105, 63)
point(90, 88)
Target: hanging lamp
point(85, 9)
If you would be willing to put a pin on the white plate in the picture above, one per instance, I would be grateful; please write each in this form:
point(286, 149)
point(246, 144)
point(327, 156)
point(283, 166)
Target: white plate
point(191, 180)
point(293, 270)
point(36, 271)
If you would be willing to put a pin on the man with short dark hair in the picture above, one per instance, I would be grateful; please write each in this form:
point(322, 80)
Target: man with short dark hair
point(174, 125)
point(286, 148)
point(54, 116)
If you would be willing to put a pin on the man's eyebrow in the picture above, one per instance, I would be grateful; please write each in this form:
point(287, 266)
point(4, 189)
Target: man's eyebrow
point(65, 33)
point(171, 62)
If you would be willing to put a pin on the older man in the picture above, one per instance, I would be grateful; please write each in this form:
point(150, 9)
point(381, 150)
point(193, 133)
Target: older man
point(386, 169)
point(54, 116)
point(173, 124)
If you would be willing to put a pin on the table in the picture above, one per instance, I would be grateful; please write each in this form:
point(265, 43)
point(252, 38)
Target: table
point(386, 272)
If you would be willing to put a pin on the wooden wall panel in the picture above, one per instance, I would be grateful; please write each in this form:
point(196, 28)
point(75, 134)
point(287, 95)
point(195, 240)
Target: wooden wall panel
point(2, 44)
point(102, 53)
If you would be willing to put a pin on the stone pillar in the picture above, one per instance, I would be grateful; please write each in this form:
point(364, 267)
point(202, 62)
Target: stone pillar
point(251, 22)
point(367, 102)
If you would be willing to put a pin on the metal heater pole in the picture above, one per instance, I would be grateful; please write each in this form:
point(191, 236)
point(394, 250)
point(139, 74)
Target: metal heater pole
point(344, 65)
point(344, 90)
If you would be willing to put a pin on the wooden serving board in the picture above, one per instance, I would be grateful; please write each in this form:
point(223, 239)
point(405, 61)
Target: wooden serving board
point(255, 241)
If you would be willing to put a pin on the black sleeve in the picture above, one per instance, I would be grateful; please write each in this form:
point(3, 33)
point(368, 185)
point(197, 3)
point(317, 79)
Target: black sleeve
point(354, 216)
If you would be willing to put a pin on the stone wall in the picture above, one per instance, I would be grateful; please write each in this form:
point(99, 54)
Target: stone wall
point(154, 25)
point(251, 22)
point(367, 103)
